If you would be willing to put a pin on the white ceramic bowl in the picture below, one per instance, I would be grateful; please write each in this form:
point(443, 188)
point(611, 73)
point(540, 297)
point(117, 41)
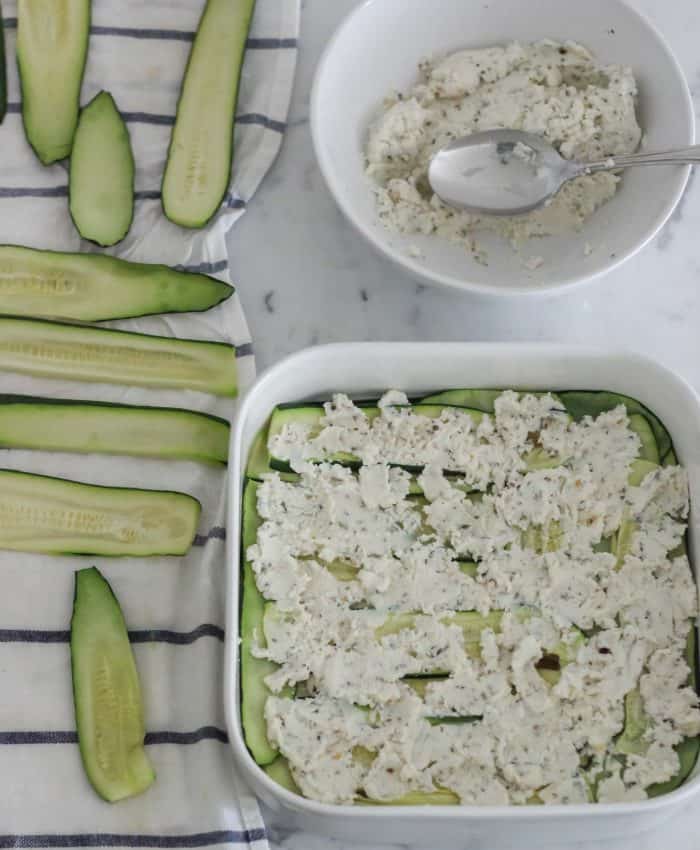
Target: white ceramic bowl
point(366, 369)
point(376, 51)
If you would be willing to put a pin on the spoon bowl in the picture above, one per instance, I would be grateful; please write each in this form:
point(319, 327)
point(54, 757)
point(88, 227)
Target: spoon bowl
point(510, 172)
point(499, 172)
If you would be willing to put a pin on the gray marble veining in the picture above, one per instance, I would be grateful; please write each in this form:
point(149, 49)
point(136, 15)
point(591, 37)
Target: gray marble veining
point(306, 277)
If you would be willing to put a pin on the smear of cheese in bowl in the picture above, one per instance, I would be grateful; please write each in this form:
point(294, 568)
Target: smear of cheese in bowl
point(556, 90)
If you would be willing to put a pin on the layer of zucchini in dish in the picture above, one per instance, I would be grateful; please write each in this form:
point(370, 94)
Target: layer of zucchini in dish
point(478, 597)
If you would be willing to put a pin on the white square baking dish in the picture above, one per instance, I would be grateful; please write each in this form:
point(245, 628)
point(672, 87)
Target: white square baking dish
point(366, 369)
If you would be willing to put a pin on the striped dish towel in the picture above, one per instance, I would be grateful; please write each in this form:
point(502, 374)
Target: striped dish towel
point(174, 606)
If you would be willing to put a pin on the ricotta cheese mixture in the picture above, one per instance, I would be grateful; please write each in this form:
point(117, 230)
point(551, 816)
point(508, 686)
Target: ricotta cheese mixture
point(515, 634)
point(559, 91)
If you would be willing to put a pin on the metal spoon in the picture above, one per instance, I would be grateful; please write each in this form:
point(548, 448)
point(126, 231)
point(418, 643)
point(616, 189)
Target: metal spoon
point(509, 172)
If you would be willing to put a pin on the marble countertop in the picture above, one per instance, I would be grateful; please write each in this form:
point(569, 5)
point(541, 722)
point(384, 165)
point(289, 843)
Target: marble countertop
point(305, 277)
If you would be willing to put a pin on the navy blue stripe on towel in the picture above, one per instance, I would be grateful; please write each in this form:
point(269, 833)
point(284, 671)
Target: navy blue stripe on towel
point(62, 192)
point(168, 120)
point(176, 35)
point(205, 268)
point(262, 121)
point(272, 43)
point(148, 118)
point(188, 35)
point(143, 33)
point(215, 533)
point(135, 636)
point(244, 350)
point(113, 839)
point(205, 733)
point(34, 192)
point(231, 201)
point(147, 195)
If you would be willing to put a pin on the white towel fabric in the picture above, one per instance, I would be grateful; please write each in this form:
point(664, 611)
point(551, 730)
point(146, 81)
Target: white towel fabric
point(174, 606)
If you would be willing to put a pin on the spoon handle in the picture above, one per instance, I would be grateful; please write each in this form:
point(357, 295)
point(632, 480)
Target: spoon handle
point(680, 156)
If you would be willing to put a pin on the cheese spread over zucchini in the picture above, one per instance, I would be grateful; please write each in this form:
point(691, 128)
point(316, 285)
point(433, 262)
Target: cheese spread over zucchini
point(490, 642)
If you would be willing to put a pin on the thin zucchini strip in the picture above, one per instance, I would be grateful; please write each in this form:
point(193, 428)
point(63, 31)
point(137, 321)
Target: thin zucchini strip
point(648, 450)
point(432, 407)
point(73, 352)
point(472, 625)
point(57, 516)
point(280, 773)
point(632, 740)
point(55, 425)
point(311, 415)
point(254, 692)
point(259, 464)
point(483, 400)
point(259, 460)
point(106, 692)
point(198, 169)
point(52, 45)
point(97, 287)
point(580, 404)
point(101, 187)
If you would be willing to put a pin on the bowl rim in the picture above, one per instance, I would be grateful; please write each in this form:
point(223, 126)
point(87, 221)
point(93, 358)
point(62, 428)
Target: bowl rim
point(306, 361)
point(403, 260)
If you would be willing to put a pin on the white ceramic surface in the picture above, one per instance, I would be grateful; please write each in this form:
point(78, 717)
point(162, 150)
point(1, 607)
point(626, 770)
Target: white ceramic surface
point(366, 369)
point(377, 49)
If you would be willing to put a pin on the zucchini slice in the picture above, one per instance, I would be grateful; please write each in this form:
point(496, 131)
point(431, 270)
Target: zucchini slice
point(471, 622)
point(439, 797)
point(632, 741)
point(687, 751)
point(580, 404)
point(654, 437)
point(198, 169)
point(57, 516)
point(669, 459)
point(259, 464)
point(52, 45)
point(648, 450)
point(259, 459)
point(311, 416)
point(73, 352)
point(280, 773)
point(3, 72)
point(254, 692)
point(102, 173)
point(106, 692)
point(97, 287)
point(483, 400)
point(54, 425)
